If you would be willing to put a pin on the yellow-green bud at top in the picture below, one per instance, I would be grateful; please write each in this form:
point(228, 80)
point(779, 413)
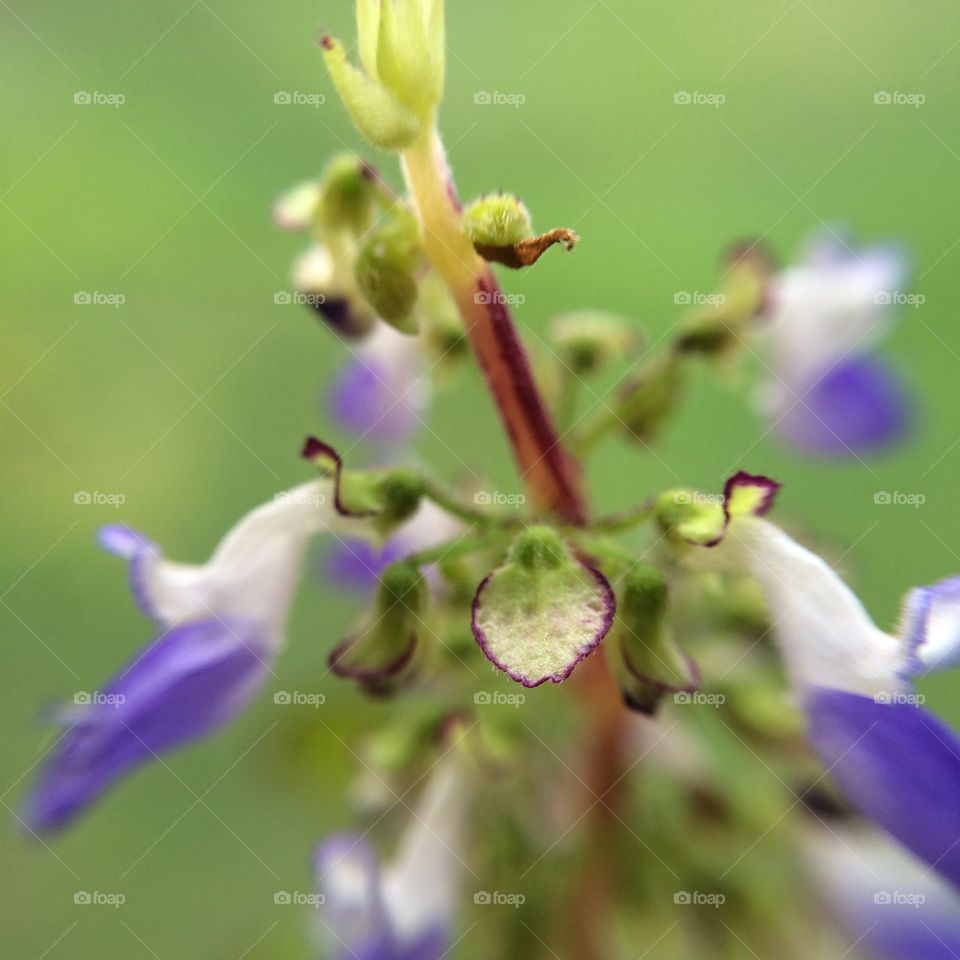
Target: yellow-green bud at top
point(386, 271)
point(377, 113)
point(539, 548)
point(348, 193)
point(501, 220)
point(402, 50)
point(587, 340)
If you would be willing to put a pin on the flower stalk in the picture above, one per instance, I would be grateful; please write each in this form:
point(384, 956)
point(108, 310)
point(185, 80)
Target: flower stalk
point(551, 475)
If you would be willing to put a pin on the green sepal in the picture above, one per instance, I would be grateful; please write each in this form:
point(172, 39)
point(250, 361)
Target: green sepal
point(388, 497)
point(690, 516)
point(542, 612)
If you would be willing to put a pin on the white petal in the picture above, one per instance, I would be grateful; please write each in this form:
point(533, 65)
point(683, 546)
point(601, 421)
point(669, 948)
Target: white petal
point(825, 636)
point(294, 210)
point(421, 884)
point(255, 568)
point(314, 271)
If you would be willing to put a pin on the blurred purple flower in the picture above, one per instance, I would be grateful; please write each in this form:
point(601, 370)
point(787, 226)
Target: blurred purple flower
point(826, 394)
point(382, 394)
point(405, 910)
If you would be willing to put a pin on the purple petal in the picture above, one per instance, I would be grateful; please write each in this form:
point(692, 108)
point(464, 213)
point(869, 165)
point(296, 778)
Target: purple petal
point(141, 553)
point(931, 626)
point(907, 931)
point(357, 564)
point(898, 765)
point(184, 685)
point(367, 400)
point(859, 405)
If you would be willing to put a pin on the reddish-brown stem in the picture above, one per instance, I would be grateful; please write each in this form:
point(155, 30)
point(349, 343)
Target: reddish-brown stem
point(550, 474)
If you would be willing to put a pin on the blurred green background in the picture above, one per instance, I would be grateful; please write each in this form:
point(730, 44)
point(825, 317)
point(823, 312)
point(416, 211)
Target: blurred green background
point(190, 398)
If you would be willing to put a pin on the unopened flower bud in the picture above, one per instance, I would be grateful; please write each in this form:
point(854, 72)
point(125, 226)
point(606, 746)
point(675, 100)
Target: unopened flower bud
point(647, 663)
point(651, 397)
point(502, 220)
point(348, 193)
point(330, 289)
point(381, 657)
point(587, 340)
point(386, 272)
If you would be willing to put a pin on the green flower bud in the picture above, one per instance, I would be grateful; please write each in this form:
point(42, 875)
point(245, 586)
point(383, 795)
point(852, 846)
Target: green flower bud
point(539, 548)
point(386, 272)
point(587, 340)
point(497, 221)
point(399, 491)
point(348, 194)
point(647, 663)
point(381, 658)
point(649, 399)
point(722, 324)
